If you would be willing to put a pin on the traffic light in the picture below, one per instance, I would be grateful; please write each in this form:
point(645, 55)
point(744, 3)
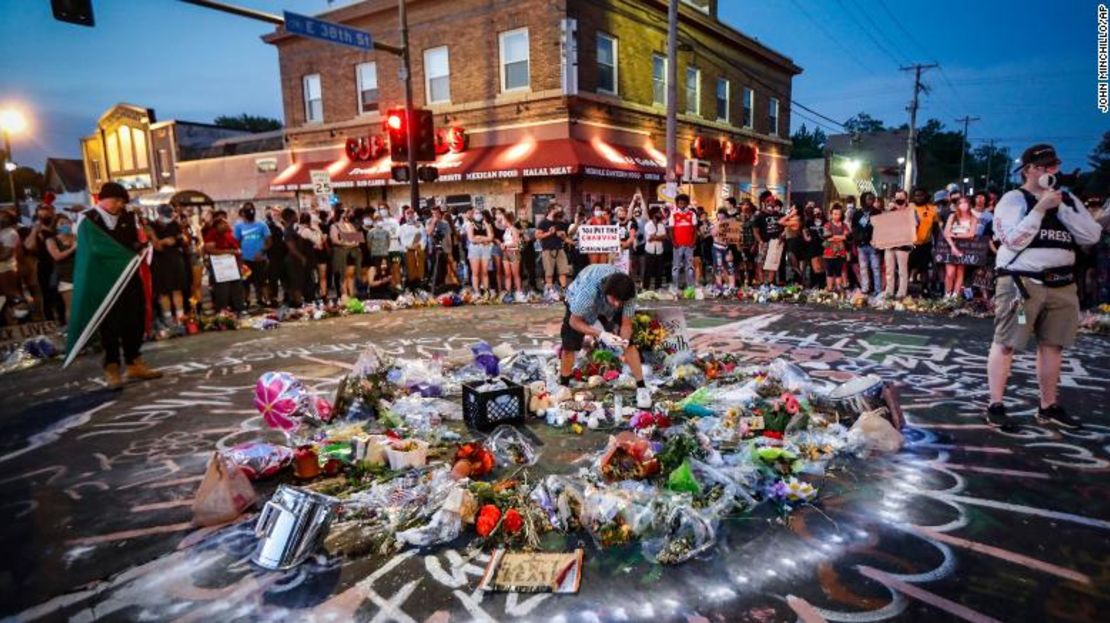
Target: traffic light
point(425, 136)
point(78, 12)
point(397, 129)
point(427, 174)
point(399, 173)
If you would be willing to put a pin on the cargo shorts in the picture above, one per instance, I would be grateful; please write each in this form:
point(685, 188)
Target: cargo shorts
point(555, 262)
point(1052, 314)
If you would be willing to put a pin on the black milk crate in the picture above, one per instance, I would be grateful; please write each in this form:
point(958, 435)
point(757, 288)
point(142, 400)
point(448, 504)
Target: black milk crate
point(487, 410)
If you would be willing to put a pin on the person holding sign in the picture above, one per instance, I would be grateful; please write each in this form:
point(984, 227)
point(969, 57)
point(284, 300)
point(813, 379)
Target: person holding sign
point(628, 230)
point(898, 256)
point(599, 301)
point(600, 217)
point(723, 260)
point(223, 260)
point(683, 225)
point(961, 225)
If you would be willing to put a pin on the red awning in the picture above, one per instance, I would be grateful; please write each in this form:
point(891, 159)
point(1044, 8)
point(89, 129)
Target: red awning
point(297, 176)
point(527, 158)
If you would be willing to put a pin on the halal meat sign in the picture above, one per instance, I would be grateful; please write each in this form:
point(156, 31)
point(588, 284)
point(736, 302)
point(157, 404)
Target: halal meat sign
point(448, 140)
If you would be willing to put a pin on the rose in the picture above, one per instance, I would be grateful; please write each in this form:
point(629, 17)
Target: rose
point(513, 521)
point(487, 519)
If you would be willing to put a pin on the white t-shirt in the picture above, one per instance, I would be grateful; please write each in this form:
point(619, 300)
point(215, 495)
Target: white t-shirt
point(9, 238)
point(407, 233)
point(394, 228)
point(651, 228)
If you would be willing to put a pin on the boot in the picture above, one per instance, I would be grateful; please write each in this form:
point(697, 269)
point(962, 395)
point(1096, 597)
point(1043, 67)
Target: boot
point(138, 371)
point(112, 377)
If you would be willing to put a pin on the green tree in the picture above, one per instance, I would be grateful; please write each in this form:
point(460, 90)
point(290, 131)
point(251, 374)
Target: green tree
point(938, 155)
point(808, 144)
point(1098, 181)
point(28, 182)
point(250, 123)
point(863, 123)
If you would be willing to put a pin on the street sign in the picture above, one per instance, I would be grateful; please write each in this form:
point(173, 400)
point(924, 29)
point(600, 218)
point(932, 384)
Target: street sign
point(321, 182)
point(327, 31)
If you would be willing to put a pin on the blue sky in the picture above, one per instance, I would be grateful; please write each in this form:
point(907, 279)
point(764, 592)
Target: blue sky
point(1026, 68)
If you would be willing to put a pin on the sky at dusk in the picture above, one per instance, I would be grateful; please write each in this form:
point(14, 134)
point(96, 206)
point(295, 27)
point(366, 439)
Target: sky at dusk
point(1027, 68)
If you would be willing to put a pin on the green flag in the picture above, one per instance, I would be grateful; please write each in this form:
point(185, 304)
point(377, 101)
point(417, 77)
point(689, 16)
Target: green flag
point(102, 268)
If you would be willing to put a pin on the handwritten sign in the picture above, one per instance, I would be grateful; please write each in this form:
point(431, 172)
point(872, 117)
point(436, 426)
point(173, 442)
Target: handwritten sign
point(15, 335)
point(540, 572)
point(224, 268)
point(674, 321)
point(599, 239)
point(732, 231)
point(975, 252)
point(893, 229)
point(774, 254)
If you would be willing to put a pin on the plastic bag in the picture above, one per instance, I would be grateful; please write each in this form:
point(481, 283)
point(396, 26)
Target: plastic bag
point(511, 447)
point(685, 533)
point(223, 495)
point(682, 480)
point(259, 460)
point(287, 405)
point(562, 498)
point(792, 378)
point(721, 494)
point(614, 516)
point(874, 432)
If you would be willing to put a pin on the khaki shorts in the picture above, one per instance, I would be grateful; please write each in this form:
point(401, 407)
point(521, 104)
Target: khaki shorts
point(555, 262)
point(1052, 314)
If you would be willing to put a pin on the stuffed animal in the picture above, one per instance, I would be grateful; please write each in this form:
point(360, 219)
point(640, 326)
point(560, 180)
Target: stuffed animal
point(540, 400)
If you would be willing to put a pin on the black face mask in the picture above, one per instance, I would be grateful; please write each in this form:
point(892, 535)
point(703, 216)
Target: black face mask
point(248, 214)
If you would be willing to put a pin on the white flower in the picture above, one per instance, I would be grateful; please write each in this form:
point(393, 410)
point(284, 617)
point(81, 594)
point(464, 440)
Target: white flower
point(797, 490)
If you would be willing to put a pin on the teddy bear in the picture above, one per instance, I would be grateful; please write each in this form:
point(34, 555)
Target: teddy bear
point(539, 400)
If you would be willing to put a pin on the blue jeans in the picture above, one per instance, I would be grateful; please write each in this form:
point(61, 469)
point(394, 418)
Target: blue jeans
point(869, 258)
point(680, 256)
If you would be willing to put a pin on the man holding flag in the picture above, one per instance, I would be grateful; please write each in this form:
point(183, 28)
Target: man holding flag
point(108, 292)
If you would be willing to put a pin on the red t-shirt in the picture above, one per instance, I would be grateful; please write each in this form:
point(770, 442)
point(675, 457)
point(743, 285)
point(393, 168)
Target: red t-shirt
point(684, 223)
point(224, 241)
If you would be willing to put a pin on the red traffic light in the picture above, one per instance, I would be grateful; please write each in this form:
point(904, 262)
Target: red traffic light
point(395, 121)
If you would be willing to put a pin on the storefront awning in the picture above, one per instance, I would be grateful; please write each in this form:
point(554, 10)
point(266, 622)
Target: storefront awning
point(176, 198)
point(297, 176)
point(844, 186)
point(527, 158)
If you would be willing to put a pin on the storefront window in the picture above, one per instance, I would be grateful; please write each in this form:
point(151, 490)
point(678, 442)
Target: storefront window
point(749, 106)
point(693, 91)
point(514, 60)
point(112, 147)
point(722, 99)
point(773, 124)
point(658, 80)
point(164, 162)
point(313, 99)
point(606, 64)
point(437, 75)
point(138, 137)
point(367, 76)
point(127, 157)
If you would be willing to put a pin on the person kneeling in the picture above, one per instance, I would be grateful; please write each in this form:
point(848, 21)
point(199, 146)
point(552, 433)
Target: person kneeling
point(600, 294)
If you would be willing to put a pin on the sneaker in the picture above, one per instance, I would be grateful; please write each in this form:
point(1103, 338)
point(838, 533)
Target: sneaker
point(1055, 414)
point(996, 415)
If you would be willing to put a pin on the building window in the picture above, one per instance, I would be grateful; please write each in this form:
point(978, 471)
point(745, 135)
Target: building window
point(693, 91)
point(514, 60)
point(126, 155)
point(313, 99)
point(138, 137)
point(96, 170)
point(112, 147)
point(366, 74)
point(749, 106)
point(722, 99)
point(773, 112)
point(437, 75)
point(658, 80)
point(164, 162)
point(606, 64)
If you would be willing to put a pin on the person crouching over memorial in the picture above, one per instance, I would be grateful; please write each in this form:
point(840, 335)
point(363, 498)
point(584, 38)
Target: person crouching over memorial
point(599, 301)
point(1039, 228)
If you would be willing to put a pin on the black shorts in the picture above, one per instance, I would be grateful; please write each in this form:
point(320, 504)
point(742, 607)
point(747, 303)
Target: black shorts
point(921, 257)
point(834, 266)
point(572, 340)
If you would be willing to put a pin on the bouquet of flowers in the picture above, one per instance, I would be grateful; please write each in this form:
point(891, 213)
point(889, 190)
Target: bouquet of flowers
point(601, 363)
point(223, 321)
point(647, 332)
point(506, 517)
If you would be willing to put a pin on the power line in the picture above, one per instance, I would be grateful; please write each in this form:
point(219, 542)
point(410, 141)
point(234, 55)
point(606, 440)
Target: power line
point(898, 24)
point(870, 35)
point(832, 38)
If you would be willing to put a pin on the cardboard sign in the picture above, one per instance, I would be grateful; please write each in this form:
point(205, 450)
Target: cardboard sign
point(732, 230)
point(599, 239)
point(976, 252)
point(224, 268)
point(15, 335)
point(674, 321)
point(893, 229)
point(540, 572)
point(774, 254)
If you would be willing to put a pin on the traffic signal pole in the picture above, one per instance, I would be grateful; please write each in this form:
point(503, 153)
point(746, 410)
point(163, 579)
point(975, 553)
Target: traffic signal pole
point(410, 118)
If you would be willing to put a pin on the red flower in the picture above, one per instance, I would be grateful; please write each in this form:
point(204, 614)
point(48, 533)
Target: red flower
point(487, 519)
point(513, 521)
point(773, 434)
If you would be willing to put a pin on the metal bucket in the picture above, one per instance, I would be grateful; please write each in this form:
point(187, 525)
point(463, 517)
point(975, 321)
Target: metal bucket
point(853, 398)
point(290, 526)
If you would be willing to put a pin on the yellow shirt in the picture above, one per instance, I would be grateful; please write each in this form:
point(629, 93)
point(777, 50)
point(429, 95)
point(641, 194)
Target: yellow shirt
point(926, 218)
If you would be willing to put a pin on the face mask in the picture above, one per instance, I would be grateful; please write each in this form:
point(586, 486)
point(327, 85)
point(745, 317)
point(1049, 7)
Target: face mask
point(249, 214)
point(366, 222)
point(383, 214)
point(478, 218)
point(65, 230)
point(817, 221)
point(598, 213)
point(900, 202)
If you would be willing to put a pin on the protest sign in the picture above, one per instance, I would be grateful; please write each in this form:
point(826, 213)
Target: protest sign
point(599, 239)
point(224, 268)
point(893, 229)
point(975, 252)
point(774, 255)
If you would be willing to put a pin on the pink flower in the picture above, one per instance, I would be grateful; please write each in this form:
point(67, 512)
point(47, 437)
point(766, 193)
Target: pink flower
point(323, 409)
point(277, 409)
point(611, 376)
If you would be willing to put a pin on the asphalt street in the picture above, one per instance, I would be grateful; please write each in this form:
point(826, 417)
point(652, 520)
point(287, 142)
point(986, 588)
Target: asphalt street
point(967, 522)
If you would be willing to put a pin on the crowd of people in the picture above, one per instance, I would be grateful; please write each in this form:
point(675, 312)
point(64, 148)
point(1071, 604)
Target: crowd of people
point(283, 256)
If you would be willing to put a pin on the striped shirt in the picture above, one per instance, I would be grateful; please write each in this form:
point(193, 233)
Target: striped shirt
point(586, 296)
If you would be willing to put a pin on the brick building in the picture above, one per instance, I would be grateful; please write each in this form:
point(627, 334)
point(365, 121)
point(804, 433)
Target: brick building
point(538, 101)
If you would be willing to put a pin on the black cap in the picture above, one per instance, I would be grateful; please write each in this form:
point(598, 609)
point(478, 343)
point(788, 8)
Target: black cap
point(1042, 154)
point(112, 190)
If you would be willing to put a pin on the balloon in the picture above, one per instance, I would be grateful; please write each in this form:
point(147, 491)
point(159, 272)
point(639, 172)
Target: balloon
point(286, 404)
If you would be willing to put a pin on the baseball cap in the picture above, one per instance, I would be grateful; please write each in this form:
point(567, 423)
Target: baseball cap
point(940, 195)
point(1041, 154)
point(112, 190)
point(952, 188)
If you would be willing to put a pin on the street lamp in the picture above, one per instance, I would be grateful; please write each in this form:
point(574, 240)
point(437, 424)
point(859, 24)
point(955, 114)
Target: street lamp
point(11, 120)
point(852, 166)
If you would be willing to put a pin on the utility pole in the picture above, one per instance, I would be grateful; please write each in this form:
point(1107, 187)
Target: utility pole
point(410, 118)
point(963, 148)
point(990, 161)
point(911, 143)
point(672, 92)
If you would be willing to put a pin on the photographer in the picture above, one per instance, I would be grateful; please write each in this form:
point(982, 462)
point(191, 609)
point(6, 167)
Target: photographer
point(1039, 227)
